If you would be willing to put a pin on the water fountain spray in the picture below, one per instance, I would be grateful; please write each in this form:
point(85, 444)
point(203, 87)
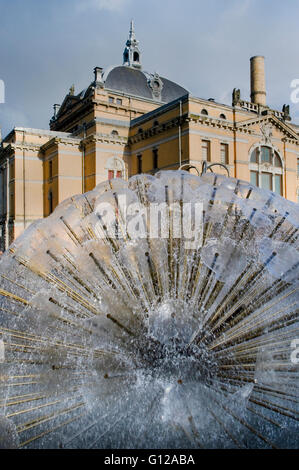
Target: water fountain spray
point(160, 312)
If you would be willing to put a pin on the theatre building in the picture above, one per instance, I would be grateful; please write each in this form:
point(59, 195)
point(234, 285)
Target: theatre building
point(129, 121)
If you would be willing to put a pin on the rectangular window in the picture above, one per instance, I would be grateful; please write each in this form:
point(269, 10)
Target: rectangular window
point(139, 164)
point(266, 155)
point(254, 156)
point(50, 202)
point(119, 101)
point(254, 178)
point(224, 153)
point(278, 184)
point(50, 169)
point(111, 99)
point(110, 174)
point(267, 181)
point(205, 146)
point(155, 159)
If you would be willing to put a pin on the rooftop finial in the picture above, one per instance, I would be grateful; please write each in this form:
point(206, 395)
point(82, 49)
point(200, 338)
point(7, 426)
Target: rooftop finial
point(132, 27)
point(131, 56)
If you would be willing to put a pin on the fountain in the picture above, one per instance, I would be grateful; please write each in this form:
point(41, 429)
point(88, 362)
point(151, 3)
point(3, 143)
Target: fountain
point(166, 321)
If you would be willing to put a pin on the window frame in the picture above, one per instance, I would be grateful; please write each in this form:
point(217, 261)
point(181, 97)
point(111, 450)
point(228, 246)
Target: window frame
point(261, 166)
point(51, 201)
point(155, 158)
point(139, 163)
point(208, 142)
point(224, 145)
point(50, 170)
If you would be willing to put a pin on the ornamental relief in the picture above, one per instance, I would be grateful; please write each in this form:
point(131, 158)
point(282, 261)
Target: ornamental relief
point(266, 165)
point(267, 134)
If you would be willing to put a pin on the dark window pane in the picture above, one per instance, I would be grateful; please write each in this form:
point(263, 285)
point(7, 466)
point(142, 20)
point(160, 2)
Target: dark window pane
point(155, 159)
point(267, 181)
point(266, 155)
point(50, 202)
point(278, 184)
point(139, 163)
point(277, 161)
point(253, 157)
point(254, 178)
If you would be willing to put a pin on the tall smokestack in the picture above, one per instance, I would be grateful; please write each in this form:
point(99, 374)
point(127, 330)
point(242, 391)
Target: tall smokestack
point(257, 80)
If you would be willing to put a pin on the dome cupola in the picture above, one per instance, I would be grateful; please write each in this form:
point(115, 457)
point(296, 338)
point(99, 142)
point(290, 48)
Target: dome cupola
point(131, 55)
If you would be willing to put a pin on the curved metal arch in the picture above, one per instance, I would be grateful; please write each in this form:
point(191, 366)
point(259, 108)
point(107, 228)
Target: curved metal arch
point(206, 167)
point(189, 167)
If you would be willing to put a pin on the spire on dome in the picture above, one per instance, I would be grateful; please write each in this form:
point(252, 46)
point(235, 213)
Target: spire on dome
point(131, 55)
point(132, 31)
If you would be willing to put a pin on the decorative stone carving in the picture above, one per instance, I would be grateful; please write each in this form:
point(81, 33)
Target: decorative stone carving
point(236, 96)
point(286, 112)
point(156, 85)
point(114, 163)
point(56, 109)
point(266, 130)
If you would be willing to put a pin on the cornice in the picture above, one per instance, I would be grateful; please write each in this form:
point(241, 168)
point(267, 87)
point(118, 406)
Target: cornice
point(147, 133)
point(104, 138)
point(211, 121)
point(60, 140)
point(22, 146)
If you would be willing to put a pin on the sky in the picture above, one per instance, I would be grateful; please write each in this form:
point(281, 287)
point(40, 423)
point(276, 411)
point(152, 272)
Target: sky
point(205, 46)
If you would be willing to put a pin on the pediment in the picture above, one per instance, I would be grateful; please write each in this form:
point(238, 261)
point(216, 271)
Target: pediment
point(265, 122)
point(67, 103)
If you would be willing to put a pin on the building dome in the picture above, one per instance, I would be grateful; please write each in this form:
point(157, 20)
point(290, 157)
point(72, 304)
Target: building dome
point(133, 81)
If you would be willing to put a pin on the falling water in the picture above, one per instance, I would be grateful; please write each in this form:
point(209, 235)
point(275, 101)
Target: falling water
point(116, 340)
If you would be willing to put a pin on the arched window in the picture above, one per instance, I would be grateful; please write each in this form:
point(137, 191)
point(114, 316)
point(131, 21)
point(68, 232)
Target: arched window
point(114, 133)
point(205, 112)
point(254, 156)
point(155, 123)
point(140, 130)
point(115, 168)
point(222, 116)
point(136, 57)
point(266, 168)
point(277, 161)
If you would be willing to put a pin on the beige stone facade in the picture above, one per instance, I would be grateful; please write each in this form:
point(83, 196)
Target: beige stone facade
point(127, 122)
